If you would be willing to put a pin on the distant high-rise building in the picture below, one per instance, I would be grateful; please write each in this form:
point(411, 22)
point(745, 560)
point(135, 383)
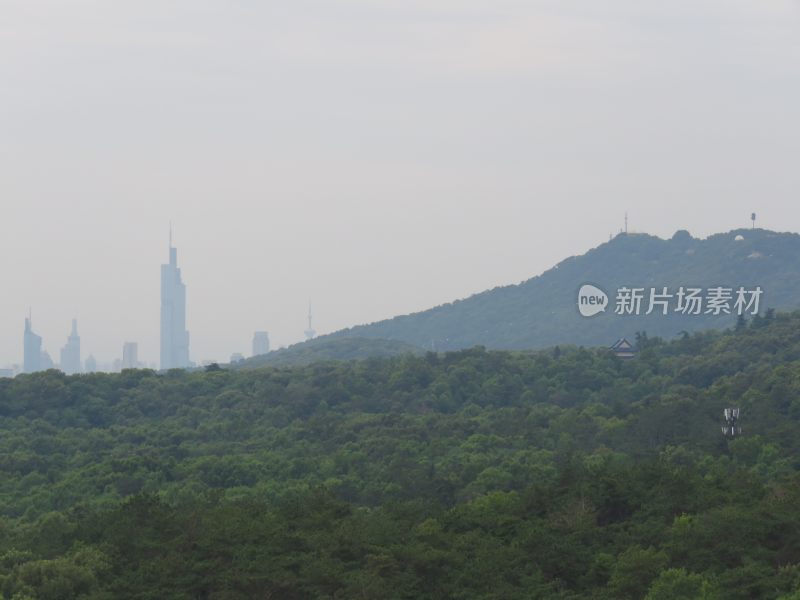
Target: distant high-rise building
point(91, 364)
point(32, 360)
point(260, 343)
point(236, 357)
point(130, 355)
point(310, 333)
point(45, 362)
point(174, 337)
point(71, 353)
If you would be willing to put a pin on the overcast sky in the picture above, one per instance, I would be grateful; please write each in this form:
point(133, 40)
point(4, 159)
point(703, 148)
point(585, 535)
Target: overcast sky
point(377, 157)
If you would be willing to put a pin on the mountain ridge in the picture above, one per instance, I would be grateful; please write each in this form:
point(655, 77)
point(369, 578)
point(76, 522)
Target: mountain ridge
point(541, 311)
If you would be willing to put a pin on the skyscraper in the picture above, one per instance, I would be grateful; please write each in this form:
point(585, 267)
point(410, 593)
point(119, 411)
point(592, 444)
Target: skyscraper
point(32, 359)
point(174, 337)
point(45, 362)
point(71, 353)
point(130, 355)
point(260, 343)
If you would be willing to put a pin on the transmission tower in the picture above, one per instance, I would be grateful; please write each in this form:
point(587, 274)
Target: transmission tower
point(731, 427)
point(309, 333)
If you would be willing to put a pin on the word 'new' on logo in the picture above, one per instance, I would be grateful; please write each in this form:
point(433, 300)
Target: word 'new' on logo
point(712, 301)
point(591, 300)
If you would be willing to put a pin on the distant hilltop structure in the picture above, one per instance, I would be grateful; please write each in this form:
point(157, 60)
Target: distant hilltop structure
point(623, 349)
point(174, 337)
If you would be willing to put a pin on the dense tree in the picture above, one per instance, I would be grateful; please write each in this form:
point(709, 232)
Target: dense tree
point(471, 474)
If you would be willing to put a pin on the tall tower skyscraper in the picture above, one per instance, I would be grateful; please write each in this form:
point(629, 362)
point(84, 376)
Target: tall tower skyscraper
point(71, 353)
point(32, 359)
point(174, 337)
point(260, 343)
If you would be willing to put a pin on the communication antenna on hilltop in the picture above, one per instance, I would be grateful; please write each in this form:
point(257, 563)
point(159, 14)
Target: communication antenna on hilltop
point(731, 427)
point(310, 333)
point(626, 222)
point(753, 219)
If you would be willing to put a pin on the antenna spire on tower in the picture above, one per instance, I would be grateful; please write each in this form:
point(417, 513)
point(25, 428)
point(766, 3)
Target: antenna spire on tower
point(310, 333)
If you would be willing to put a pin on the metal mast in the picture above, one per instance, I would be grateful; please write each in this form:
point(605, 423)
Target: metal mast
point(731, 427)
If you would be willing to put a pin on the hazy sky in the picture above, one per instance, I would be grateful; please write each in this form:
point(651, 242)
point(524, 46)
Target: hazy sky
point(378, 157)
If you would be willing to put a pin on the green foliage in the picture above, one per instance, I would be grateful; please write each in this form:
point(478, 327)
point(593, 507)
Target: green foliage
point(635, 568)
point(677, 584)
point(326, 348)
point(472, 474)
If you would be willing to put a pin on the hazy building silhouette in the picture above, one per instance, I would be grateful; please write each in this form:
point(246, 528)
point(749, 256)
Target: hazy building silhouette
point(309, 333)
point(236, 357)
point(130, 355)
point(71, 353)
point(32, 344)
point(260, 343)
point(45, 362)
point(91, 364)
point(174, 337)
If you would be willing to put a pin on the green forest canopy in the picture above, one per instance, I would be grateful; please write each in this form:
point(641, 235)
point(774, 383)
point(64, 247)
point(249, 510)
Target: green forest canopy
point(565, 473)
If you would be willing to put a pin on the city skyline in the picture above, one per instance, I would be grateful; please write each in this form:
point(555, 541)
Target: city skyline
point(174, 337)
point(378, 158)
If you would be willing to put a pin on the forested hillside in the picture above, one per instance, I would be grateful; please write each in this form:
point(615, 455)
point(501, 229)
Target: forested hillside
point(542, 311)
point(327, 348)
point(565, 473)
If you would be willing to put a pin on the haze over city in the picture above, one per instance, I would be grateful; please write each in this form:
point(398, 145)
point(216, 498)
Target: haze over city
point(376, 158)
